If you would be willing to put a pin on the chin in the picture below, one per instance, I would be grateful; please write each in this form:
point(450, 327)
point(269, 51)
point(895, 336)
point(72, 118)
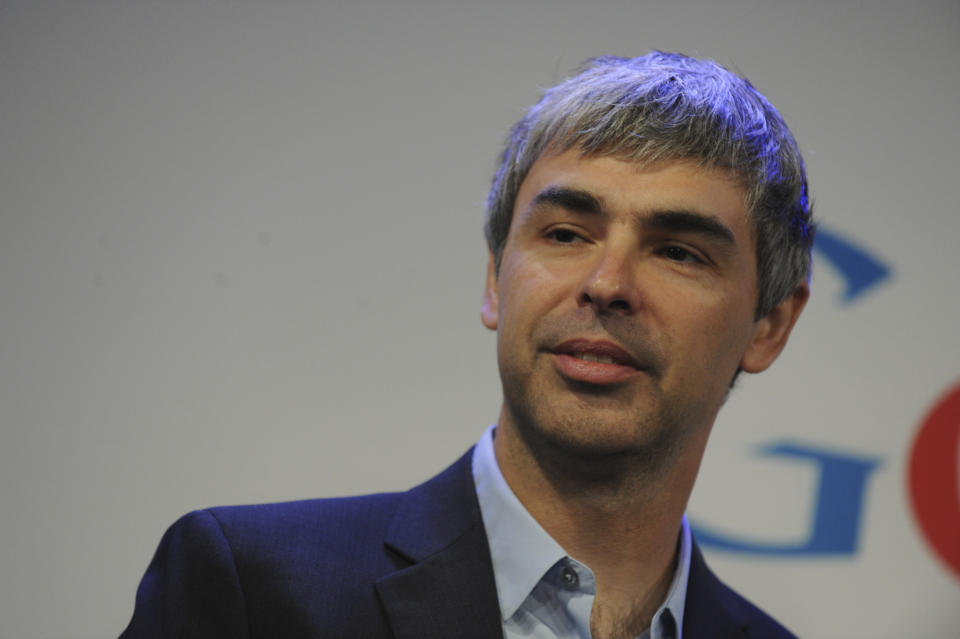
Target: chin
point(596, 438)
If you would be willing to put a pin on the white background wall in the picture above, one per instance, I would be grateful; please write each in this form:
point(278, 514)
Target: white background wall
point(241, 261)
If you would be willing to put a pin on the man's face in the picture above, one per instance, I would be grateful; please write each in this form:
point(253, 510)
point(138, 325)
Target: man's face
point(624, 303)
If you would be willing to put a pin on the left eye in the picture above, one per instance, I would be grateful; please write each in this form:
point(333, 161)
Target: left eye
point(680, 254)
point(563, 236)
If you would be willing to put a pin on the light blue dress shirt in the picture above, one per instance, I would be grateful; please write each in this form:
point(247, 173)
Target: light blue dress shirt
point(543, 592)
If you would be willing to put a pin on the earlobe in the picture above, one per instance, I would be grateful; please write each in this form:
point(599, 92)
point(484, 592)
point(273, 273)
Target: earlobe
point(490, 308)
point(771, 332)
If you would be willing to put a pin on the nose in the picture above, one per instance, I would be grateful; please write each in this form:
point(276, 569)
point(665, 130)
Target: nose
point(610, 286)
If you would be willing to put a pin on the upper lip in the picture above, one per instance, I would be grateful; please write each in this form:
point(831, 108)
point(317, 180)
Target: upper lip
point(597, 347)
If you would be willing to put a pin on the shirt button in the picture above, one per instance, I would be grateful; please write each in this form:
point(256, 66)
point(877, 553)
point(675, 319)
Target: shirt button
point(570, 579)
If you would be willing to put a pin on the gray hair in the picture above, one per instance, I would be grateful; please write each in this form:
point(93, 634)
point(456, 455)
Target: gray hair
point(670, 106)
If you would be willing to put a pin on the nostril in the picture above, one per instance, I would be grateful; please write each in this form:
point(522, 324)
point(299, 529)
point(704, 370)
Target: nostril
point(602, 305)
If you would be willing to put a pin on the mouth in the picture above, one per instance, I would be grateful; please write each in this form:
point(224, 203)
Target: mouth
point(598, 362)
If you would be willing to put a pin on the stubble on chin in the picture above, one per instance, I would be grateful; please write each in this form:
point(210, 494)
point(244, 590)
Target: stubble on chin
point(585, 435)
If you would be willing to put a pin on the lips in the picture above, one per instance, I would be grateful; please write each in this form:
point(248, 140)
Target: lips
point(595, 362)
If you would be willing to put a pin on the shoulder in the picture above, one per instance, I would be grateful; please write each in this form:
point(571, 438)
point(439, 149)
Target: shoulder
point(339, 529)
point(298, 568)
point(330, 516)
point(326, 538)
point(244, 571)
point(296, 535)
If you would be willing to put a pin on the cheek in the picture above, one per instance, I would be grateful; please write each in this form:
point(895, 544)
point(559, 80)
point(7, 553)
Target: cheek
point(729, 343)
point(715, 337)
point(527, 291)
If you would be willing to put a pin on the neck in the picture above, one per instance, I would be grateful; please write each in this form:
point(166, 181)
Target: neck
point(620, 514)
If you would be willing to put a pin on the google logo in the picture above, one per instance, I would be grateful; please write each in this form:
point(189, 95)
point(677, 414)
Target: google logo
point(933, 475)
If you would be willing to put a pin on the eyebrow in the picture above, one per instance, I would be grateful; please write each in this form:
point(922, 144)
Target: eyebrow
point(575, 200)
point(580, 201)
point(690, 222)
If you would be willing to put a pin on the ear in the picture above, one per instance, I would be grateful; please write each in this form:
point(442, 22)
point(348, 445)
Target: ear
point(489, 311)
point(771, 332)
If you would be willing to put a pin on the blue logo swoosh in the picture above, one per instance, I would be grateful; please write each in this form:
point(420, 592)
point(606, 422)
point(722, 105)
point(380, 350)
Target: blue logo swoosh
point(860, 270)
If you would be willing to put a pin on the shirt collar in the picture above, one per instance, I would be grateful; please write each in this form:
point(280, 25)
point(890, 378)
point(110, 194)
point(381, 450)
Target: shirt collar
point(677, 594)
point(522, 551)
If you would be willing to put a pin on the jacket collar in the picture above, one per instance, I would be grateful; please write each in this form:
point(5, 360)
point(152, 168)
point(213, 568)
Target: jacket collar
point(711, 606)
point(446, 586)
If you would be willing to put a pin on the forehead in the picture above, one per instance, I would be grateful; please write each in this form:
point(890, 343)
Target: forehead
point(633, 184)
point(635, 189)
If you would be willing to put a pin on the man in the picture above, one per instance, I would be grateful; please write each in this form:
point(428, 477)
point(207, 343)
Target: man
point(650, 233)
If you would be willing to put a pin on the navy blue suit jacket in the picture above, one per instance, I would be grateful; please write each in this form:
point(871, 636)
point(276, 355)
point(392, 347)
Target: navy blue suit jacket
point(402, 565)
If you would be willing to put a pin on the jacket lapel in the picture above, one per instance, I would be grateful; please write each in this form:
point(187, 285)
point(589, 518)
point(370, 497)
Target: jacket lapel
point(448, 589)
point(708, 611)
